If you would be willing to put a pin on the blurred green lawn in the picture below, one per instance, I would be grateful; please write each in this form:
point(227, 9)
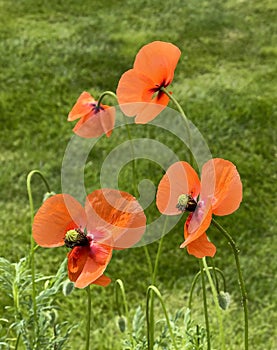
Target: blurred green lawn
point(50, 51)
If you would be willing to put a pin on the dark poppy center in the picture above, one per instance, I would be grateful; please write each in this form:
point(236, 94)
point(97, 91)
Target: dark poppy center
point(158, 87)
point(76, 237)
point(95, 108)
point(186, 203)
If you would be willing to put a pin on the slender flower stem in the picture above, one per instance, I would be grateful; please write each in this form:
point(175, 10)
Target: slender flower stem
point(218, 311)
point(180, 109)
point(240, 277)
point(32, 242)
point(17, 341)
point(154, 275)
point(155, 272)
point(105, 93)
point(88, 317)
point(215, 277)
point(205, 305)
point(148, 259)
point(150, 317)
point(134, 173)
point(133, 160)
point(196, 278)
point(135, 181)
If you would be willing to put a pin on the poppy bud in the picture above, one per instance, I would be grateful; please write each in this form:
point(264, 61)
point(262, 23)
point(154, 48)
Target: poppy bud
point(121, 323)
point(186, 203)
point(68, 287)
point(53, 317)
point(224, 300)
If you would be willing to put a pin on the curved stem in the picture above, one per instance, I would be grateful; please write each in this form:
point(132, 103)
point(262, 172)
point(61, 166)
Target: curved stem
point(196, 278)
point(150, 320)
point(180, 109)
point(105, 93)
point(218, 311)
point(32, 243)
point(240, 277)
point(205, 305)
point(88, 317)
point(29, 191)
point(215, 277)
point(119, 285)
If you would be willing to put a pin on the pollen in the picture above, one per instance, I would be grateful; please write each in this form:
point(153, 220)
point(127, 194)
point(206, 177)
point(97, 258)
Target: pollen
point(186, 203)
point(75, 238)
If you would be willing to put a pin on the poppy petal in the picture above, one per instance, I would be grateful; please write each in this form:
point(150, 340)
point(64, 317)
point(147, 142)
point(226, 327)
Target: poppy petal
point(152, 109)
point(97, 123)
point(197, 223)
point(135, 94)
point(117, 216)
point(54, 218)
point(221, 181)
point(134, 87)
point(82, 107)
point(76, 260)
point(103, 281)
point(158, 61)
point(201, 247)
point(180, 178)
point(96, 262)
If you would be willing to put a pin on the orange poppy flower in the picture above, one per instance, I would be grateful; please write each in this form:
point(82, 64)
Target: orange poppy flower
point(220, 193)
point(94, 120)
point(139, 89)
point(110, 220)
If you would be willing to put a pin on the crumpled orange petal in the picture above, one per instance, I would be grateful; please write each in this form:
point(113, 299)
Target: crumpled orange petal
point(220, 181)
point(82, 107)
point(116, 217)
point(96, 124)
point(103, 281)
point(54, 217)
point(87, 264)
point(180, 178)
point(92, 123)
point(197, 223)
point(201, 247)
point(76, 260)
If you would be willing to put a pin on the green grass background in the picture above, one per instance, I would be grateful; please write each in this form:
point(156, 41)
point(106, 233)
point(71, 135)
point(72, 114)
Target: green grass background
point(50, 51)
